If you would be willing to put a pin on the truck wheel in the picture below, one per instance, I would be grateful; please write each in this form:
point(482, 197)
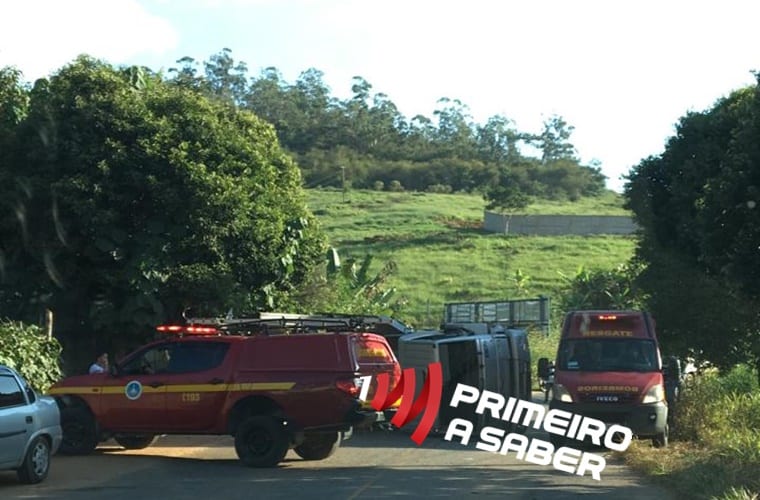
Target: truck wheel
point(135, 441)
point(80, 436)
point(661, 439)
point(36, 462)
point(261, 441)
point(318, 446)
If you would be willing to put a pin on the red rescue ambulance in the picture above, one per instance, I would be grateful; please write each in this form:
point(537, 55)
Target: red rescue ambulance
point(609, 367)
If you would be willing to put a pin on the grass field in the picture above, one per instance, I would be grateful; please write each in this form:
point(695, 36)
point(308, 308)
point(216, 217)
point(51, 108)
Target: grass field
point(443, 255)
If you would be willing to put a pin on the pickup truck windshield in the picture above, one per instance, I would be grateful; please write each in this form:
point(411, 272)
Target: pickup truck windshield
point(630, 355)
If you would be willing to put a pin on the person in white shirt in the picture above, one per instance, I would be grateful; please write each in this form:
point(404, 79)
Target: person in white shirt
point(100, 365)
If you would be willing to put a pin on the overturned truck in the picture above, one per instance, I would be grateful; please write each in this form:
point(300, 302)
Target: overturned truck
point(481, 344)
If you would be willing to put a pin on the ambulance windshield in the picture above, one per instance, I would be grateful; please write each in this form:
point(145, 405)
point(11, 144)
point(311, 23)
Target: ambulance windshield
point(629, 355)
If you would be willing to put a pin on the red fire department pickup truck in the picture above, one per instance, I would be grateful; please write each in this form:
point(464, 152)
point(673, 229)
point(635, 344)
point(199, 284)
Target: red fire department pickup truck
point(272, 384)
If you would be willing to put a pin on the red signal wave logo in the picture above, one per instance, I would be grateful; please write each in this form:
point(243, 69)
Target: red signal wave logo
point(429, 399)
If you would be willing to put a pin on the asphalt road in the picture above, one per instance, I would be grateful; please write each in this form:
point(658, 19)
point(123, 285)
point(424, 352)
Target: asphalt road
point(375, 465)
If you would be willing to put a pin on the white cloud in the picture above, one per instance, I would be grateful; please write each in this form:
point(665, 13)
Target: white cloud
point(40, 36)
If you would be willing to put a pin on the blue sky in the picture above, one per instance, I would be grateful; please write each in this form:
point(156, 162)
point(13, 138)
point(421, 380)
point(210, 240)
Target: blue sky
point(621, 72)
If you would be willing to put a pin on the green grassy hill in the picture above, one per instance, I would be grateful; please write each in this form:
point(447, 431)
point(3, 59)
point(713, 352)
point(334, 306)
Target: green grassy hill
point(443, 255)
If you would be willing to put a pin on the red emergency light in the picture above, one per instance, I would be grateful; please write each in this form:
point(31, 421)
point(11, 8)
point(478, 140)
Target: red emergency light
point(607, 317)
point(187, 330)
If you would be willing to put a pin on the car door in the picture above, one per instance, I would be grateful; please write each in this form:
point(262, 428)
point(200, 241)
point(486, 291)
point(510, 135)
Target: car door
point(15, 421)
point(134, 395)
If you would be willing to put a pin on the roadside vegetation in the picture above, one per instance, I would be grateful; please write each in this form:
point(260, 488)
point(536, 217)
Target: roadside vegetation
point(715, 444)
point(29, 350)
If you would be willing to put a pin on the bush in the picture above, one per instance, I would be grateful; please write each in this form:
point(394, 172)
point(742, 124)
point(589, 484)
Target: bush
point(716, 448)
point(439, 188)
point(28, 350)
point(378, 185)
point(713, 406)
point(395, 186)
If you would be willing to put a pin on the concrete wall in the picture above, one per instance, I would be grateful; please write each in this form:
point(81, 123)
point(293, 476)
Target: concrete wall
point(558, 224)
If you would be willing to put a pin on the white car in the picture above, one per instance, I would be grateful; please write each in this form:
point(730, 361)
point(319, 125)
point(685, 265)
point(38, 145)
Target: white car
point(30, 428)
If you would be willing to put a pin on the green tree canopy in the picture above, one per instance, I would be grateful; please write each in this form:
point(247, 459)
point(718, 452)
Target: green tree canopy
point(132, 200)
point(697, 204)
point(368, 136)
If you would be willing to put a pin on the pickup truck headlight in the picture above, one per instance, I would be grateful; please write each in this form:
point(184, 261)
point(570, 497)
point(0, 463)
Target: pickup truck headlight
point(655, 394)
point(561, 394)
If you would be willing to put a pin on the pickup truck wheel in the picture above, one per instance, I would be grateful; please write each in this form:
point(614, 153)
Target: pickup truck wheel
point(36, 462)
point(261, 441)
point(80, 436)
point(135, 441)
point(661, 439)
point(318, 446)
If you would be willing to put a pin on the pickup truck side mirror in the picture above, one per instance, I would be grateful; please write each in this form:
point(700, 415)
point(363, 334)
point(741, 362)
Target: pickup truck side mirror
point(544, 367)
point(113, 370)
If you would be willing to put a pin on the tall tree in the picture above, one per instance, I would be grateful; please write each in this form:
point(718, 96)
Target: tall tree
point(554, 140)
point(226, 79)
point(135, 203)
point(455, 131)
point(498, 140)
point(696, 203)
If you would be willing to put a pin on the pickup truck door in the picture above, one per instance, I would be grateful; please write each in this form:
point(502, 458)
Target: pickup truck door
point(197, 381)
point(134, 398)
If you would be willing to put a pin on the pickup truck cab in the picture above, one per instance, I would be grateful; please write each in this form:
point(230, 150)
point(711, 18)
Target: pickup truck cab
point(608, 367)
point(271, 385)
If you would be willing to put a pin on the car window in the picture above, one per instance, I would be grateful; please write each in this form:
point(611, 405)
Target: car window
point(10, 392)
point(150, 361)
point(31, 395)
point(196, 356)
point(177, 357)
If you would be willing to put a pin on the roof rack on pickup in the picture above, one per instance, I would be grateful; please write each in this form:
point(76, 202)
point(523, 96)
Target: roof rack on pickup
point(286, 323)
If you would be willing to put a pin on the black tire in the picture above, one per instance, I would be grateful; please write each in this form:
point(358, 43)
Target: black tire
point(318, 446)
point(135, 441)
point(36, 462)
point(661, 440)
point(80, 435)
point(261, 441)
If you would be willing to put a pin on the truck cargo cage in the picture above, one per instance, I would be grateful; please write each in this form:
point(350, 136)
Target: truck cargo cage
point(516, 313)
